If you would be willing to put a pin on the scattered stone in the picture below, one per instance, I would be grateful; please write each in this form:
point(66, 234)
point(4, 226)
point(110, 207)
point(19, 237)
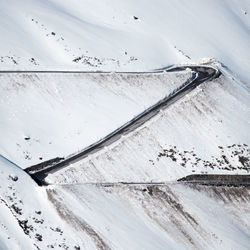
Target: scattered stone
point(16, 209)
point(24, 225)
point(13, 178)
point(39, 237)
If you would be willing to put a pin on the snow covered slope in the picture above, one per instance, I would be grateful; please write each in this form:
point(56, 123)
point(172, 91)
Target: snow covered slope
point(173, 216)
point(48, 115)
point(204, 132)
point(27, 219)
point(128, 35)
point(44, 116)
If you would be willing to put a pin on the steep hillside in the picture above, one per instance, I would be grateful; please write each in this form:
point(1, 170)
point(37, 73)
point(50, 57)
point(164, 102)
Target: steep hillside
point(93, 216)
point(48, 115)
point(124, 196)
point(204, 132)
point(173, 216)
point(124, 35)
point(28, 220)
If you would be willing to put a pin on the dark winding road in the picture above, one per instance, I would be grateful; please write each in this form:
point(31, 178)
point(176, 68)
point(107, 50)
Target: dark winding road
point(200, 74)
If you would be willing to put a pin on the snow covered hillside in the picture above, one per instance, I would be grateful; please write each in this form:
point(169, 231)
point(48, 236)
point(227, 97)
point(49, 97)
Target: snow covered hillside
point(44, 116)
point(204, 132)
point(123, 35)
point(173, 216)
point(126, 195)
point(27, 219)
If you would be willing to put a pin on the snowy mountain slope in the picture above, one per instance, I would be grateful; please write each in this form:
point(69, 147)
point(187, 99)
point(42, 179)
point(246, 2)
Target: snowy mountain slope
point(205, 132)
point(121, 216)
point(28, 220)
point(44, 116)
point(176, 216)
point(125, 35)
point(173, 216)
point(47, 115)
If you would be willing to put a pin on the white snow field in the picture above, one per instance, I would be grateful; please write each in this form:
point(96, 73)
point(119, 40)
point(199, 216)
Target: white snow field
point(127, 35)
point(47, 115)
point(173, 216)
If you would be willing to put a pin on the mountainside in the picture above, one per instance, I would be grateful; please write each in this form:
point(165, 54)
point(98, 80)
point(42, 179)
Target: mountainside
point(123, 35)
point(113, 58)
point(54, 115)
point(204, 132)
point(173, 216)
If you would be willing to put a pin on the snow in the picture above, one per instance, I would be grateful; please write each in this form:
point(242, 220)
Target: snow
point(20, 200)
point(173, 216)
point(105, 35)
point(193, 136)
point(118, 216)
point(47, 115)
point(54, 115)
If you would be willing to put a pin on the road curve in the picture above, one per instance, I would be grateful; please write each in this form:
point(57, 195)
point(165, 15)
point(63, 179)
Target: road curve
point(200, 74)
